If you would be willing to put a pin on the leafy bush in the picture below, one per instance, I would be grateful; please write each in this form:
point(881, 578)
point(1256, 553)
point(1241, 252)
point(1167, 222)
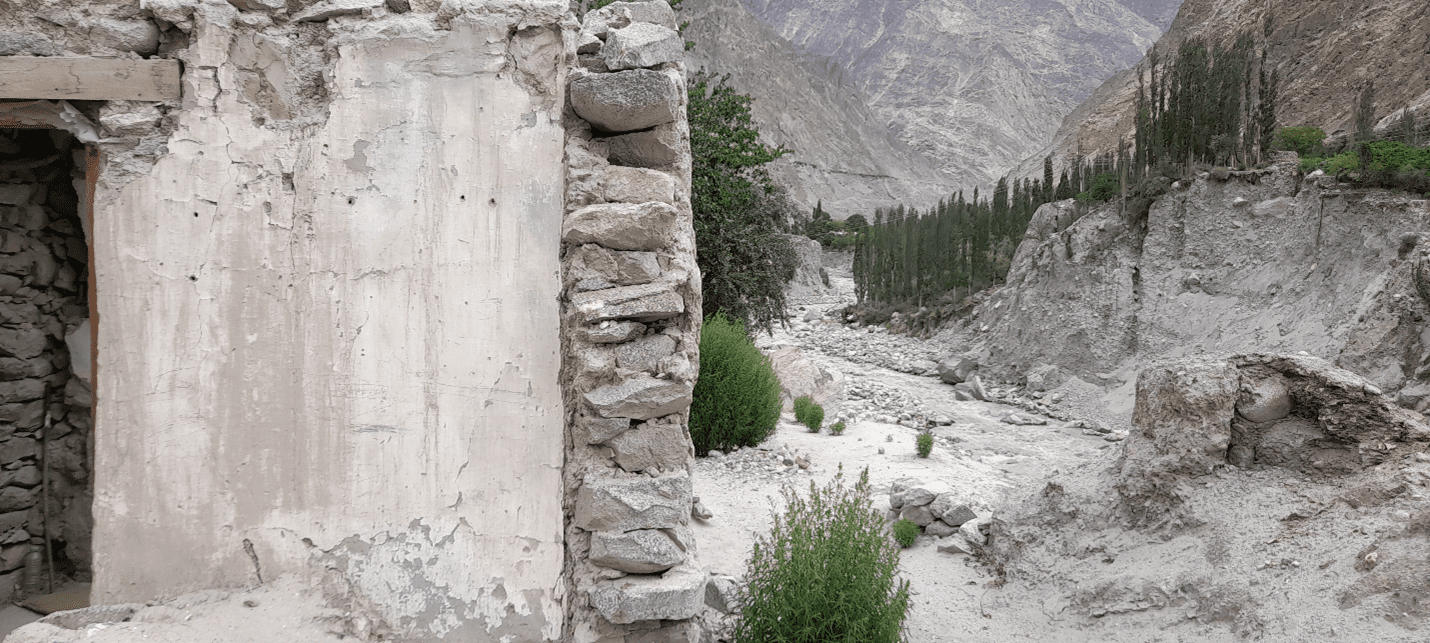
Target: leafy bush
point(740, 211)
point(924, 444)
point(826, 572)
point(737, 398)
point(836, 428)
point(808, 413)
point(1304, 141)
point(1104, 187)
point(906, 532)
point(1341, 162)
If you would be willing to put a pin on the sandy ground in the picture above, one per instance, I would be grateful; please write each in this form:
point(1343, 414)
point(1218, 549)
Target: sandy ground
point(977, 453)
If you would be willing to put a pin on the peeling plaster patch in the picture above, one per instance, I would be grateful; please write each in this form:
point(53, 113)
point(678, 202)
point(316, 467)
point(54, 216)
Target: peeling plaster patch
point(427, 592)
point(358, 162)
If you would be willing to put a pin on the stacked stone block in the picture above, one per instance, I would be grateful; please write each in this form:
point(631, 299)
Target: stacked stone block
point(43, 310)
point(631, 326)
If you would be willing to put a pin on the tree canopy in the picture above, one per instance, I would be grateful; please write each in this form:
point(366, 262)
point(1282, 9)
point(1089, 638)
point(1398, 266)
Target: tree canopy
point(741, 214)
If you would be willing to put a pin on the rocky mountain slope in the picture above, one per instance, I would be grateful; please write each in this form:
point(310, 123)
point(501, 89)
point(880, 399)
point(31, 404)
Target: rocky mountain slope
point(977, 85)
point(1256, 261)
point(1325, 51)
point(842, 153)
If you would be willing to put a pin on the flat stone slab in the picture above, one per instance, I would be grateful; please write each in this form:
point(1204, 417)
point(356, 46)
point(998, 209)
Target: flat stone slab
point(678, 594)
point(640, 398)
point(646, 302)
point(613, 332)
point(616, 504)
point(621, 226)
point(643, 551)
point(637, 185)
point(626, 101)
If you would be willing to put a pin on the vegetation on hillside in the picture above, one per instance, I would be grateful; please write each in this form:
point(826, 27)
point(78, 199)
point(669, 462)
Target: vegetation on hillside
point(1205, 105)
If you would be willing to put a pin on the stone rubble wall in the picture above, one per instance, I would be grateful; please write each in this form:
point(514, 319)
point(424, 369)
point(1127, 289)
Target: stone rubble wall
point(630, 333)
point(44, 275)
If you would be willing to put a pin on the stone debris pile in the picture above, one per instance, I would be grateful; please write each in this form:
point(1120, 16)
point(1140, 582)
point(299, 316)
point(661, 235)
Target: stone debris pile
point(871, 400)
point(762, 461)
point(942, 512)
point(868, 345)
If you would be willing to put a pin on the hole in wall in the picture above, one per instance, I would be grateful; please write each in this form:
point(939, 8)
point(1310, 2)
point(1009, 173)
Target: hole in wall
point(46, 361)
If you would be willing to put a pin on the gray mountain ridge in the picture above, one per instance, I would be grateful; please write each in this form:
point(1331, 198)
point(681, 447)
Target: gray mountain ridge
point(906, 101)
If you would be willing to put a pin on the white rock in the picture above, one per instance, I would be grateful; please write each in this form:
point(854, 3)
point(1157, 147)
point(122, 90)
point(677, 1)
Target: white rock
point(676, 595)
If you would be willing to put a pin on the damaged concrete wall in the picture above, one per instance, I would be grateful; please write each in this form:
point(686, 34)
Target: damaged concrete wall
point(631, 333)
point(328, 287)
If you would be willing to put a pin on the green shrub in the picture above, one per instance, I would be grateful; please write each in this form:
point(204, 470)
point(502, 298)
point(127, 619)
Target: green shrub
point(737, 398)
point(924, 444)
point(906, 532)
point(1341, 162)
point(808, 413)
point(826, 572)
point(836, 428)
point(1304, 141)
point(1104, 186)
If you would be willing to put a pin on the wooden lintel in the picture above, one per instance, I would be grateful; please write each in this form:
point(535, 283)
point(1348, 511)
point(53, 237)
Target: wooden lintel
point(24, 77)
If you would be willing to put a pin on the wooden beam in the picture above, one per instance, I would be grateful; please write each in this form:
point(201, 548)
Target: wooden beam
point(24, 77)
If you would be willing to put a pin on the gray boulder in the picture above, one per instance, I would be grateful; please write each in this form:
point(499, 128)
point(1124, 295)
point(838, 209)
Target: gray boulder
point(799, 376)
point(956, 369)
point(1044, 377)
point(658, 12)
point(626, 101)
point(621, 226)
point(642, 45)
point(642, 551)
point(616, 504)
point(652, 445)
point(640, 398)
point(1182, 418)
point(1265, 395)
point(924, 494)
point(653, 148)
point(676, 595)
point(952, 509)
point(939, 529)
point(720, 593)
point(919, 514)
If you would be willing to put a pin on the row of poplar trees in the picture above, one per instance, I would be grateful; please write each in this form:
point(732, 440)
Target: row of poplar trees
point(1207, 104)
